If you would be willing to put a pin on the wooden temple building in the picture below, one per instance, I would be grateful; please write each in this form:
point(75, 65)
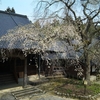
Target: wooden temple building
point(13, 67)
point(15, 64)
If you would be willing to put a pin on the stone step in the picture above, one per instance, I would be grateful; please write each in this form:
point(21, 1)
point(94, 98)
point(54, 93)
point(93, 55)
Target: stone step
point(25, 92)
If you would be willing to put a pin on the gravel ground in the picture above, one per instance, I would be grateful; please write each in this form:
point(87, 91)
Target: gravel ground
point(8, 96)
point(50, 97)
point(47, 96)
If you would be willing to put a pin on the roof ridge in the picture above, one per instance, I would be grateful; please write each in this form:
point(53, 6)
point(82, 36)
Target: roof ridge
point(15, 14)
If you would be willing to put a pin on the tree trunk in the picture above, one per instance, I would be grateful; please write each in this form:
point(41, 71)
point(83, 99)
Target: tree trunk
point(88, 70)
point(87, 62)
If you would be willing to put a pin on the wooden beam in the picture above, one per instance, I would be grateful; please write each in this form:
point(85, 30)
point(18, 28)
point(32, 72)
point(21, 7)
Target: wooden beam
point(14, 53)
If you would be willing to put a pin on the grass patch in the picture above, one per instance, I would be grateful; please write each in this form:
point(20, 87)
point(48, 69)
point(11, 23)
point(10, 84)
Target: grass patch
point(95, 88)
point(70, 86)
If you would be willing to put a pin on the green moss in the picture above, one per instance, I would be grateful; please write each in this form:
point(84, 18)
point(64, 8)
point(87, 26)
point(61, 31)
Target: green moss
point(79, 86)
point(70, 86)
point(69, 91)
point(95, 88)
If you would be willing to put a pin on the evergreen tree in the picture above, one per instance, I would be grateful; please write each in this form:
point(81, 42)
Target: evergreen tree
point(13, 10)
point(9, 10)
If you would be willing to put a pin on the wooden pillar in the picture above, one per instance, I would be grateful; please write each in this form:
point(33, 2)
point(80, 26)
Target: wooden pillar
point(15, 73)
point(39, 57)
point(25, 73)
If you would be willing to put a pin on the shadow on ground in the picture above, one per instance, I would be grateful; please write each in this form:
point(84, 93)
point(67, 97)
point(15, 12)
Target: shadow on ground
point(8, 86)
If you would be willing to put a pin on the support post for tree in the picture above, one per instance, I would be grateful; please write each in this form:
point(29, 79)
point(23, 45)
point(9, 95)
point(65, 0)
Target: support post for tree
point(25, 73)
point(85, 86)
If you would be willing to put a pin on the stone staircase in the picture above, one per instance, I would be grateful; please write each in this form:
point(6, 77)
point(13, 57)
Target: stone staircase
point(6, 79)
point(59, 72)
point(29, 91)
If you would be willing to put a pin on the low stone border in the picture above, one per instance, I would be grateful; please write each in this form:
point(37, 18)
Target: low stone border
point(89, 97)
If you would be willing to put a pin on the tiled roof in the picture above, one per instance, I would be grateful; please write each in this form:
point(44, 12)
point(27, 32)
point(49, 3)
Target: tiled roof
point(11, 20)
point(58, 46)
point(27, 38)
point(23, 37)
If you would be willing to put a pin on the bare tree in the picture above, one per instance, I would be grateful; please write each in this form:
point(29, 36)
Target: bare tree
point(86, 23)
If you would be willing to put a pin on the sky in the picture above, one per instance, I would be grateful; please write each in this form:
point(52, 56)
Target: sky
point(24, 7)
